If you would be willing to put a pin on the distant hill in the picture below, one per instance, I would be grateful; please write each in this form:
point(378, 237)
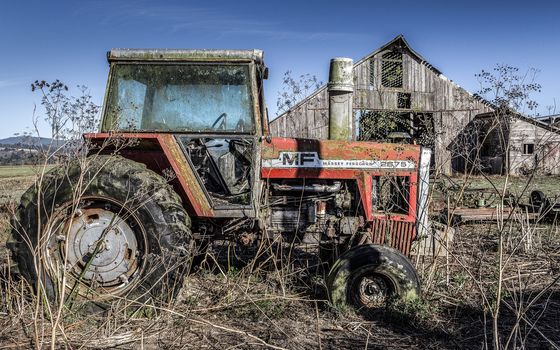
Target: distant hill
point(20, 150)
point(26, 141)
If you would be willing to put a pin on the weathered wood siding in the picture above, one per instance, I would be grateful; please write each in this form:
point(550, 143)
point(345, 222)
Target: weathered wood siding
point(546, 156)
point(451, 106)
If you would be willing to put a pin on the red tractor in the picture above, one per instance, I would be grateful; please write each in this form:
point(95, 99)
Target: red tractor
point(184, 157)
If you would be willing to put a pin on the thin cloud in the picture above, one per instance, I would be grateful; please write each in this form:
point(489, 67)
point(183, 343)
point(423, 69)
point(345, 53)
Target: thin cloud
point(289, 34)
point(4, 83)
point(179, 18)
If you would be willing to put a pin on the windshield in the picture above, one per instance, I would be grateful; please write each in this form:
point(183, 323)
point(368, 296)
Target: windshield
point(182, 97)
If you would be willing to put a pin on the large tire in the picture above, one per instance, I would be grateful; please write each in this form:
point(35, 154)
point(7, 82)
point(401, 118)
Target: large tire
point(367, 276)
point(116, 228)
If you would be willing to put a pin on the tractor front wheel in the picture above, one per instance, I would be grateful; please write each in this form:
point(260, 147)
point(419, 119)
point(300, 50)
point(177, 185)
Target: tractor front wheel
point(367, 276)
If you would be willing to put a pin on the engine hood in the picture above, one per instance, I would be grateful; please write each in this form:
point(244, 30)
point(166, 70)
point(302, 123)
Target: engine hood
point(336, 154)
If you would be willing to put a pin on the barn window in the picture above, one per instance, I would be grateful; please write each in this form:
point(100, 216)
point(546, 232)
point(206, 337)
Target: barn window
point(403, 100)
point(372, 72)
point(392, 69)
point(528, 148)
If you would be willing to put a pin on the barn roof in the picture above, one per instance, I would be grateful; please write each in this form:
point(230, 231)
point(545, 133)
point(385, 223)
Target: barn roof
point(534, 121)
point(399, 42)
point(553, 119)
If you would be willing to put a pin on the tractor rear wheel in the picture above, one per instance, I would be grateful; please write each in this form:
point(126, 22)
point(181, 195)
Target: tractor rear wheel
point(102, 229)
point(367, 276)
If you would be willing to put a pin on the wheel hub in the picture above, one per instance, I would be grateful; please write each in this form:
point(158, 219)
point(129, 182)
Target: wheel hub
point(100, 247)
point(373, 291)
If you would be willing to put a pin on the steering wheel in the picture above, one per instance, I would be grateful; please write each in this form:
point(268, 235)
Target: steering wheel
point(222, 125)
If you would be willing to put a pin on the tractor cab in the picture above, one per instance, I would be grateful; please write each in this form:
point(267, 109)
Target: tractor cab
point(211, 101)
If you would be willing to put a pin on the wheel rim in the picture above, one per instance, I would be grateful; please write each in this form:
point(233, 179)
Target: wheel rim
point(101, 247)
point(372, 290)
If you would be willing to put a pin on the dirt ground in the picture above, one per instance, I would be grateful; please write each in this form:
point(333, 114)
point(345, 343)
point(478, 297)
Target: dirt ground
point(222, 308)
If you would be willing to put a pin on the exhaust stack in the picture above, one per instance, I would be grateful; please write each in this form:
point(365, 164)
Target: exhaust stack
point(340, 89)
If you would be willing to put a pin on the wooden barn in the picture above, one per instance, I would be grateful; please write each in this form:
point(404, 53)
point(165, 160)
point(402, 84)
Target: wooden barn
point(397, 93)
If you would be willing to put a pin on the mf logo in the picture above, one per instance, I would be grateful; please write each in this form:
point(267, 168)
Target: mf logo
point(298, 158)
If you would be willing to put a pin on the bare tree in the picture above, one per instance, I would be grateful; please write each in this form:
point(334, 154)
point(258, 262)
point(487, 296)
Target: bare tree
point(68, 116)
point(295, 90)
point(508, 89)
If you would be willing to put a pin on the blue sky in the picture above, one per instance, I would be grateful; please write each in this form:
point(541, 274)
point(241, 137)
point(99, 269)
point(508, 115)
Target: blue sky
point(68, 40)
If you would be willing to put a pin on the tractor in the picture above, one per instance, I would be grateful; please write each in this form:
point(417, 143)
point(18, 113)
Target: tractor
point(184, 157)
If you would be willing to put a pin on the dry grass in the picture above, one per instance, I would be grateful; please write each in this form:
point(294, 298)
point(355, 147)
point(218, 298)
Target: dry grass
point(458, 285)
point(18, 171)
point(263, 305)
point(14, 180)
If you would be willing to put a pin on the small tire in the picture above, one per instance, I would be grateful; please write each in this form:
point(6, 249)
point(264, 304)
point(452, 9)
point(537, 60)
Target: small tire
point(367, 276)
point(539, 200)
point(127, 236)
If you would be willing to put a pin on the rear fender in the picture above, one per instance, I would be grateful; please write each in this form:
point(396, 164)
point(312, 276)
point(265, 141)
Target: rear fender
point(160, 153)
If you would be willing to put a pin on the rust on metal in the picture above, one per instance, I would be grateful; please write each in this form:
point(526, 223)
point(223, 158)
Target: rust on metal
point(397, 234)
point(334, 149)
point(167, 150)
point(358, 161)
point(186, 176)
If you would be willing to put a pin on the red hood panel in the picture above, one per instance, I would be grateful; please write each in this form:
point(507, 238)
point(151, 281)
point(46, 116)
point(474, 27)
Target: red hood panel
point(335, 154)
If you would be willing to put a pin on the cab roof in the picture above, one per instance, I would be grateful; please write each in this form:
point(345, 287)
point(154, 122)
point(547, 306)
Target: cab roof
point(179, 55)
